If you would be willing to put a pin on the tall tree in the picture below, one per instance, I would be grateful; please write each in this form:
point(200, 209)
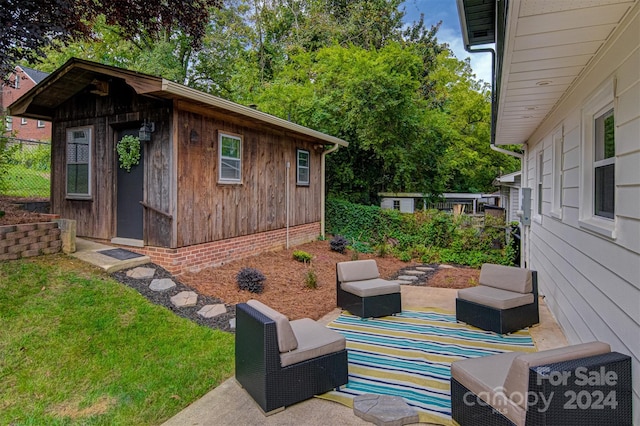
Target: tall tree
point(28, 26)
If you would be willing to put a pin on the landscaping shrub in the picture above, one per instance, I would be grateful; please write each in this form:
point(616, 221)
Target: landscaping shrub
point(311, 279)
point(302, 256)
point(339, 243)
point(251, 279)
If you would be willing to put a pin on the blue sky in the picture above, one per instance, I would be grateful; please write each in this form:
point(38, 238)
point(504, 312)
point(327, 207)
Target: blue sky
point(447, 12)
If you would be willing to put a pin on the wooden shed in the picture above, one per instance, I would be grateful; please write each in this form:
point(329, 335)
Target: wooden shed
point(217, 181)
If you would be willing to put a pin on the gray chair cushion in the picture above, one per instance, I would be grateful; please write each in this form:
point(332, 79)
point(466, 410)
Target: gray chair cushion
point(516, 382)
point(484, 376)
point(286, 337)
point(506, 278)
point(357, 270)
point(495, 297)
point(368, 288)
point(314, 340)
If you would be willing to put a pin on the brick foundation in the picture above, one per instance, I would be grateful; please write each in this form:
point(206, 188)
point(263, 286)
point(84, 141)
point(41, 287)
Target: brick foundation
point(28, 240)
point(216, 253)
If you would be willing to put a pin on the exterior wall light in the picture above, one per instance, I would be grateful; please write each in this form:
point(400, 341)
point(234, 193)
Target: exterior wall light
point(145, 131)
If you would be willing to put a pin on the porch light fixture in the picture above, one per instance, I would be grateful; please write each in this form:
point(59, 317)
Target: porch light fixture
point(145, 131)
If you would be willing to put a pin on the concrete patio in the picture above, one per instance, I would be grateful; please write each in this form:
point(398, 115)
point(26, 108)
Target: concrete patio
point(229, 404)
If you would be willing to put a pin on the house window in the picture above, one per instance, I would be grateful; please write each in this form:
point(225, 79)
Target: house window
point(9, 123)
point(23, 121)
point(303, 167)
point(556, 202)
point(604, 165)
point(16, 82)
point(40, 123)
point(540, 179)
point(79, 162)
point(598, 185)
point(396, 204)
point(230, 158)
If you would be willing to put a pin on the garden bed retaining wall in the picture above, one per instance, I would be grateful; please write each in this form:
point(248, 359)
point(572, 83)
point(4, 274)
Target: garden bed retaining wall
point(28, 240)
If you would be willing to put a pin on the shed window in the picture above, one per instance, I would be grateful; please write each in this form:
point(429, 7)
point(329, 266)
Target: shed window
point(79, 162)
point(303, 167)
point(396, 204)
point(230, 158)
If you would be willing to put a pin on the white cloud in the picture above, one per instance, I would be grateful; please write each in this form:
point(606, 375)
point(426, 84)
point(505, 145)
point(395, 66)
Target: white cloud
point(480, 62)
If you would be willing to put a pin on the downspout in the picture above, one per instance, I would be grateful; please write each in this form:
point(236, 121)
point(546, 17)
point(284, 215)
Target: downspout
point(324, 187)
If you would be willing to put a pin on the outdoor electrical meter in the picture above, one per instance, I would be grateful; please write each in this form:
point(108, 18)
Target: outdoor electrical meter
point(525, 206)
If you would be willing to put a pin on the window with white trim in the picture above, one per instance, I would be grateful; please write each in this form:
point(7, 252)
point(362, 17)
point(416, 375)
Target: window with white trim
point(40, 123)
point(23, 121)
point(9, 121)
point(396, 204)
point(303, 167)
point(230, 159)
point(540, 180)
point(78, 162)
point(598, 150)
point(556, 202)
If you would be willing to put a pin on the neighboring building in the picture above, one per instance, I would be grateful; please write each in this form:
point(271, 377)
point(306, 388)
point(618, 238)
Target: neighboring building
point(509, 187)
point(217, 181)
point(409, 202)
point(20, 82)
point(567, 88)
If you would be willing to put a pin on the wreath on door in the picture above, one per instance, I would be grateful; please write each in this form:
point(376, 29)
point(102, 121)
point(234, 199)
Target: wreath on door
point(128, 152)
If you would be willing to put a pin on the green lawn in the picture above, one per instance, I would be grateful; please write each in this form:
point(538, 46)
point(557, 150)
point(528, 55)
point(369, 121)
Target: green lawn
point(77, 347)
point(21, 181)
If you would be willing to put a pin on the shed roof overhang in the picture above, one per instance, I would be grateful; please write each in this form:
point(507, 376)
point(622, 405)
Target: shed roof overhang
point(542, 50)
point(77, 75)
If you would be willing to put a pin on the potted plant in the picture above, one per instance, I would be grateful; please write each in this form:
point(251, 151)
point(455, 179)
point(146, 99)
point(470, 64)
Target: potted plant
point(128, 152)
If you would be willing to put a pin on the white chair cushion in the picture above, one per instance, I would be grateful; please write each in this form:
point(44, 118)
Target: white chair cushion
point(286, 337)
point(368, 288)
point(495, 297)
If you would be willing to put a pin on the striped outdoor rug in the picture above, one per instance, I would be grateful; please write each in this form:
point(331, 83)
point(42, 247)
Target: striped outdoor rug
point(410, 355)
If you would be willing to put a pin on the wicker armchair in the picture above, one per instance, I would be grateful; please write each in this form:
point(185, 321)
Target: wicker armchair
point(280, 363)
point(583, 384)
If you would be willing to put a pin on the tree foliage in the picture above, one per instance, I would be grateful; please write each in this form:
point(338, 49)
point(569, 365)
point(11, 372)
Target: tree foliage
point(29, 26)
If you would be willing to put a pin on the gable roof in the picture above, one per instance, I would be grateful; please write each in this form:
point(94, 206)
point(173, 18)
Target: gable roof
point(35, 75)
point(542, 50)
point(77, 74)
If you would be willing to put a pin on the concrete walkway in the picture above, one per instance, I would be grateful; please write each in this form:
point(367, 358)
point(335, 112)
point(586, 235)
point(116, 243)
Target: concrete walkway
point(89, 251)
point(229, 404)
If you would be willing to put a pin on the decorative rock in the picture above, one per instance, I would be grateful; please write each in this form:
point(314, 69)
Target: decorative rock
point(210, 311)
point(232, 323)
point(446, 267)
point(185, 299)
point(162, 284)
point(408, 278)
point(425, 268)
point(401, 282)
point(141, 273)
point(414, 272)
point(384, 410)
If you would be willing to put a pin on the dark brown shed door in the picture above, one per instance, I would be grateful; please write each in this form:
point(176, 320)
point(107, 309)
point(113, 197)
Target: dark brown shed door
point(130, 194)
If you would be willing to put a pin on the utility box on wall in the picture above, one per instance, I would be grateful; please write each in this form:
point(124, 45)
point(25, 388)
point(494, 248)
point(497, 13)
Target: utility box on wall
point(525, 207)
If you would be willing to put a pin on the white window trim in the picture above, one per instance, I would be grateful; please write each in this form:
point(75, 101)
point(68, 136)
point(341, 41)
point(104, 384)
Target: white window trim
point(557, 140)
point(220, 157)
point(602, 101)
point(299, 167)
point(41, 124)
point(9, 122)
point(23, 121)
point(80, 196)
point(539, 183)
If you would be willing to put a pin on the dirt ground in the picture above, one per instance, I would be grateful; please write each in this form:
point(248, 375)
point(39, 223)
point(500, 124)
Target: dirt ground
point(285, 286)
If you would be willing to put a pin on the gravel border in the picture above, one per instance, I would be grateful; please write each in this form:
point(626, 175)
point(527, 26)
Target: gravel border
point(162, 298)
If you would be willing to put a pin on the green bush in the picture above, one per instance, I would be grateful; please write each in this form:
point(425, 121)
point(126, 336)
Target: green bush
point(311, 279)
point(302, 256)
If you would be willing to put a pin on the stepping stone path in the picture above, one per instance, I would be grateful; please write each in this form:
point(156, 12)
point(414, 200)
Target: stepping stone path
point(141, 273)
point(185, 299)
point(210, 311)
point(384, 410)
point(425, 268)
point(408, 277)
point(446, 267)
point(162, 284)
point(415, 272)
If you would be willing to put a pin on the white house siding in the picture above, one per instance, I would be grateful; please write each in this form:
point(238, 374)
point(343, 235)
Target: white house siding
point(591, 282)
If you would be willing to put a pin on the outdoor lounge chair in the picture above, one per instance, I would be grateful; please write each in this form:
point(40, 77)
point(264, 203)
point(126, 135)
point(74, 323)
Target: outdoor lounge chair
point(361, 291)
point(279, 362)
point(583, 384)
point(506, 300)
